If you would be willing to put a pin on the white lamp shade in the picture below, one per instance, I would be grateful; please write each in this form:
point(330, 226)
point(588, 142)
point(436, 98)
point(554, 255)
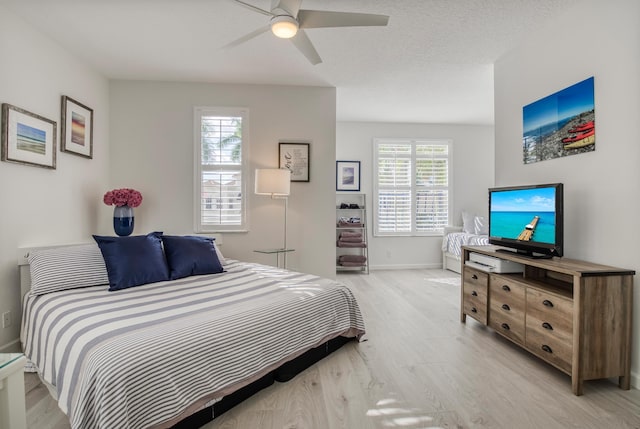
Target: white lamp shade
point(273, 181)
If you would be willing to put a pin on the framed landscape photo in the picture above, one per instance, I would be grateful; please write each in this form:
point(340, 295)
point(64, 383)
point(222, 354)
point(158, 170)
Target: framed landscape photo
point(27, 138)
point(76, 130)
point(295, 158)
point(347, 175)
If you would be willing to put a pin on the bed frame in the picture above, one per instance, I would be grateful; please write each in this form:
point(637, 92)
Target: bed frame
point(282, 374)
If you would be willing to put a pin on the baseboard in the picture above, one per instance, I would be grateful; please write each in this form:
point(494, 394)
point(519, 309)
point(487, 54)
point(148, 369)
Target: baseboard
point(405, 267)
point(12, 347)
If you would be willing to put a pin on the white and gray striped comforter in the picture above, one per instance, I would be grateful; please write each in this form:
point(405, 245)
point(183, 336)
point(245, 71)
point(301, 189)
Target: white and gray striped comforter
point(151, 355)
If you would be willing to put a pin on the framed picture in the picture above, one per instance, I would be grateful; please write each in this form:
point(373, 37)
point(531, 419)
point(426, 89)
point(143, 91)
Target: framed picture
point(347, 175)
point(76, 130)
point(295, 158)
point(28, 138)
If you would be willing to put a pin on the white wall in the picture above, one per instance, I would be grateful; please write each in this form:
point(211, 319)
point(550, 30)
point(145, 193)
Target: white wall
point(152, 151)
point(42, 206)
point(601, 187)
point(472, 174)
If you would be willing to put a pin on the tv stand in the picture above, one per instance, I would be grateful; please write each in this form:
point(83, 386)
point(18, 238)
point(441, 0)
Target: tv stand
point(574, 315)
point(524, 253)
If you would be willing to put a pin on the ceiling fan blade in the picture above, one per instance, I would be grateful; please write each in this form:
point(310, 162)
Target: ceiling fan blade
point(253, 8)
point(304, 45)
point(246, 37)
point(290, 6)
point(323, 19)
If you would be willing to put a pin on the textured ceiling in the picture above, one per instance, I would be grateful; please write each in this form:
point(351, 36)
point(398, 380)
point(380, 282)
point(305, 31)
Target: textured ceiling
point(433, 63)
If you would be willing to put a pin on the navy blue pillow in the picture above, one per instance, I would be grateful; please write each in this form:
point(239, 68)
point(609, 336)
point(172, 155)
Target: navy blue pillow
point(134, 260)
point(190, 255)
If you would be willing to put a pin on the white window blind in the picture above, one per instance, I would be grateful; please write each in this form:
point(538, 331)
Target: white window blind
point(221, 144)
point(411, 186)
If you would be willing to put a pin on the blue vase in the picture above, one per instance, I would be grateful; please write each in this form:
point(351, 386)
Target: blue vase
point(123, 220)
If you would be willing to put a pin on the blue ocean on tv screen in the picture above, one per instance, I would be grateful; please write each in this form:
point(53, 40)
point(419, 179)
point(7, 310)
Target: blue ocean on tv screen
point(510, 224)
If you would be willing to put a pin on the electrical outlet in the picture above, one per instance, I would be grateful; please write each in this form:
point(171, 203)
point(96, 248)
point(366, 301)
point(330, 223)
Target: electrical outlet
point(6, 319)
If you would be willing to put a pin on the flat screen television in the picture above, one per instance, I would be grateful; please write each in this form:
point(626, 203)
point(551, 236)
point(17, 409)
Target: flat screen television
point(527, 219)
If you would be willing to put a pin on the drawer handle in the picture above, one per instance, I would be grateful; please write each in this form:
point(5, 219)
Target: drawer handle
point(474, 277)
point(546, 348)
point(547, 303)
point(505, 307)
point(474, 310)
point(505, 326)
point(548, 326)
point(474, 293)
point(506, 288)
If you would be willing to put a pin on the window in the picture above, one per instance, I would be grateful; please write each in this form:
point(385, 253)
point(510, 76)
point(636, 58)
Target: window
point(411, 186)
point(220, 161)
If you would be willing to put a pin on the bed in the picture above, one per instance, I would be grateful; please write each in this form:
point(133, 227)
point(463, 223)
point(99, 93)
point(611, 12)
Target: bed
point(473, 232)
point(158, 353)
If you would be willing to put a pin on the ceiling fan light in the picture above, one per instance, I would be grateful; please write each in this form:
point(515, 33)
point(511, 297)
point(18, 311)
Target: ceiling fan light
point(284, 26)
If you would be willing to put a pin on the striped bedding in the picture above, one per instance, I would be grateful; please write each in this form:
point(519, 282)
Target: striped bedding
point(151, 355)
point(453, 242)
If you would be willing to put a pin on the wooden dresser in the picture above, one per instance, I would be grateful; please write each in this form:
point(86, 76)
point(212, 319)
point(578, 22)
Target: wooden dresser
point(573, 314)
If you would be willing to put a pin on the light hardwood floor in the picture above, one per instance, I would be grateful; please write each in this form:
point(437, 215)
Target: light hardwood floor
point(419, 367)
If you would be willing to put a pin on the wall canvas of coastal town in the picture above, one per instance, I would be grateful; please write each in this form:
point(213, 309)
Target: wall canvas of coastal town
point(560, 124)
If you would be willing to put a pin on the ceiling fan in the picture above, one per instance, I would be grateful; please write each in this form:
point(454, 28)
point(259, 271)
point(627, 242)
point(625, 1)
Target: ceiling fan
point(288, 21)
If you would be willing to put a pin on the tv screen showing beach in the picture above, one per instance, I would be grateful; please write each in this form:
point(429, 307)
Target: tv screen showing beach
point(524, 214)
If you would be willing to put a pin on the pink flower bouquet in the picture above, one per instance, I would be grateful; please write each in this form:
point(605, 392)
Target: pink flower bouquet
point(123, 197)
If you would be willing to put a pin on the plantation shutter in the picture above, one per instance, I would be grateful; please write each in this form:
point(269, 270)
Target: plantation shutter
point(432, 187)
point(411, 181)
point(221, 178)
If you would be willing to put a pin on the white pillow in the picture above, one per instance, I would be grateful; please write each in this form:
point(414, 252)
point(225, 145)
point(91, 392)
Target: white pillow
point(481, 226)
point(67, 267)
point(467, 223)
point(219, 253)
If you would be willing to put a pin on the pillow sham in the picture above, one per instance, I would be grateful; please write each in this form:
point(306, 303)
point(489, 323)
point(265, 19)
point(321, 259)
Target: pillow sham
point(467, 223)
point(481, 226)
point(190, 255)
point(67, 267)
point(134, 260)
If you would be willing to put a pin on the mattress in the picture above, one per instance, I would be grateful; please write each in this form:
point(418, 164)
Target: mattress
point(151, 355)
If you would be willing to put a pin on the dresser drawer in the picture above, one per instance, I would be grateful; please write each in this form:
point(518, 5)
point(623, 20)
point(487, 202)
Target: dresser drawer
point(550, 348)
point(549, 327)
point(509, 292)
point(475, 279)
point(474, 294)
point(550, 314)
point(507, 323)
point(506, 309)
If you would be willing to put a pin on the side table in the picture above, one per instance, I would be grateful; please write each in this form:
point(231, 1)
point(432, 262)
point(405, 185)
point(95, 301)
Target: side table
point(12, 405)
point(277, 252)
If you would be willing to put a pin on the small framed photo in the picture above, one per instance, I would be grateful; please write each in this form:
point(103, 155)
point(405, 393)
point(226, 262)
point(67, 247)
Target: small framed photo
point(347, 175)
point(76, 130)
point(295, 158)
point(28, 138)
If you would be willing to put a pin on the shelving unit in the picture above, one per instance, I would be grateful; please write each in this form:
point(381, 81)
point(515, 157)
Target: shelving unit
point(351, 236)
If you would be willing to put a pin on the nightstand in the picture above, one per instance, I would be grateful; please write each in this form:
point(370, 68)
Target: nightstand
point(12, 405)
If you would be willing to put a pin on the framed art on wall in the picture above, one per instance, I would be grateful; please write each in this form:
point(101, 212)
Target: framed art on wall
point(560, 124)
point(295, 158)
point(347, 175)
point(28, 138)
point(76, 130)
